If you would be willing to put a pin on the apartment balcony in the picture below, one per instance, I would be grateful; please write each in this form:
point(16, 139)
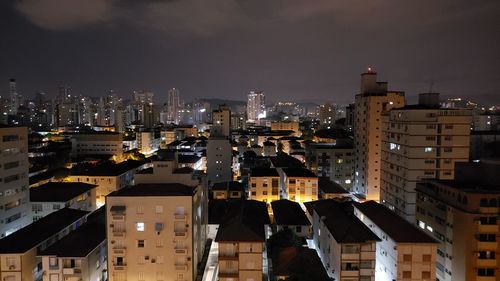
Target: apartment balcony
point(180, 233)
point(367, 272)
point(349, 273)
point(181, 267)
point(71, 271)
point(180, 217)
point(349, 256)
point(119, 250)
point(486, 278)
point(488, 210)
point(487, 228)
point(228, 256)
point(486, 263)
point(181, 251)
point(487, 246)
point(229, 274)
point(119, 232)
point(368, 255)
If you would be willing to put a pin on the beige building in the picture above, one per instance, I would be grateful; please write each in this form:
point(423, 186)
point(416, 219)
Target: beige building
point(264, 185)
point(373, 100)
point(405, 252)
point(108, 178)
point(98, 143)
point(287, 126)
point(241, 237)
point(14, 186)
point(462, 214)
point(420, 142)
point(155, 232)
point(19, 251)
point(299, 185)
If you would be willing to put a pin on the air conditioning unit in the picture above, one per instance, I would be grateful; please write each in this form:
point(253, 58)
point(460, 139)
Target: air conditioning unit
point(153, 260)
point(146, 257)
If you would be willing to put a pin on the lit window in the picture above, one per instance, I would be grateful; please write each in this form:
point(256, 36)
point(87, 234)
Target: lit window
point(430, 228)
point(428, 149)
point(348, 181)
point(392, 146)
point(421, 224)
point(139, 226)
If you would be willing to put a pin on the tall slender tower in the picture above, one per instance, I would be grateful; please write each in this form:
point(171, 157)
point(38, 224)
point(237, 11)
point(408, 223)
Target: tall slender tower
point(14, 98)
point(373, 100)
point(256, 106)
point(173, 106)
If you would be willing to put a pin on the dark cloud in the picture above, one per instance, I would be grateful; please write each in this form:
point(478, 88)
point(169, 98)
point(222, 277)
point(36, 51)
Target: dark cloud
point(290, 48)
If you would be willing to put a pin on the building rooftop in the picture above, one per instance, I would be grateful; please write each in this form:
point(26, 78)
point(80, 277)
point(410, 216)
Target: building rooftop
point(288, 212)
point(283, 160)
point(399, 229)
point(59, 191)
point(243, 221)
point(264, 172)
point(155, 189)
point(35, 233)
point(82, 241)
point(300, 261)
point(329, 187)
point(340, 220)
point(106, 169)
point(229, 186)
point(298, 172)
point(188, 159)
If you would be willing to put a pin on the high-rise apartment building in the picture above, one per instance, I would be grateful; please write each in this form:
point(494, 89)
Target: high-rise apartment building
point(155, 232)
point(221, 120)
point(462, 214)
point(143, 97)
point(173, 106)
point(15, 213)
point(14, 98)
point(419, 142)
point(256, 106)
point(373, 100)
point(327, 115)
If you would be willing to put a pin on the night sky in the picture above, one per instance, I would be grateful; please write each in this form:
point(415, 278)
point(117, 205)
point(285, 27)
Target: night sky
point(302, 50)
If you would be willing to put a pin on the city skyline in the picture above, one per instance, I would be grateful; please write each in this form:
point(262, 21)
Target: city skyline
point(291, 51)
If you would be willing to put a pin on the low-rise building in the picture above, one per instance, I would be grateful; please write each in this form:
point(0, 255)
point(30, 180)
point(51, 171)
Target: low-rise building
point(331, 190)
point(19, 251)
point(52, 196)
point(405, 252)
point(108, 177)
point(97, 143)
point(298, 262)
point(289, 215)
point(264, 184)
point(345, 245)
point(241, 238)
point(155, 232)
point(299, 185)
point(80, 255)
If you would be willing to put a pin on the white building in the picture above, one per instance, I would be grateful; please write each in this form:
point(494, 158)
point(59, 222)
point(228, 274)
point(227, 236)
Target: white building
point(405, 252)
point(420, 142)
point(14, 188)
point(52, 196)
point(345, 245)
point(256, 106)
point(373, 100)
point(19, 251)
point(80, 255)
point(155, 232)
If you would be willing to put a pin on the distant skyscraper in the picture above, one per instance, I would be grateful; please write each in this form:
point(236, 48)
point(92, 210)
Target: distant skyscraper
point(369, 105)
point(256, 106)
point(173, 106)
point(14, 98)
point(221, 119)
point(143, 97)
point(327, 115)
